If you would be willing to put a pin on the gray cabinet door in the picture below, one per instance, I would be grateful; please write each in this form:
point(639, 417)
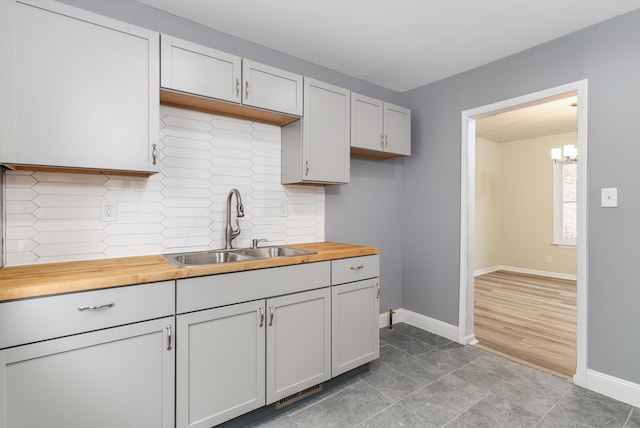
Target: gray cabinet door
point(316, 148)
point(397, 129)
point(220, 364)
point(200, 70)
point(355, 312)
point(298, 342)
point(80, 90)
point(271, 88)
point(117, 377)
point(366, 123)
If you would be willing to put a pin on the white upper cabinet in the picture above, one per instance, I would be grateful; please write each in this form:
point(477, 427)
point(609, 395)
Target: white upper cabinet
point(79, 90)
point(271, 88)
point(378, 128)
point(315, 149)
point(199, 70)
point(397, 129)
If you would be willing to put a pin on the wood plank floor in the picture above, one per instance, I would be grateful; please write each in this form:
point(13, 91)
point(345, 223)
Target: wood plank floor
point(531, 318)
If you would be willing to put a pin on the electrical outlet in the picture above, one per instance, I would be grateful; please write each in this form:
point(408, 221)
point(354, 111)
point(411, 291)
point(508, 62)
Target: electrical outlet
point(549, 259)
point(108, 210)
point(609, 197)
point(283, 210)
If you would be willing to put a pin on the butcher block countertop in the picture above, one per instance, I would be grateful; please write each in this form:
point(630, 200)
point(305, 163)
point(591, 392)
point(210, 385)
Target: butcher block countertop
point(20, 282)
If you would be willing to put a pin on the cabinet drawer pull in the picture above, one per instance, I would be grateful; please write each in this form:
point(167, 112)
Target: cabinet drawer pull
point(357, 267)
point(271, 312)
point(378, 287)
point(154, 154)
point(169, 338)
point(261, 309)
point(237, 88)
point(246, 89)
point(95, 307)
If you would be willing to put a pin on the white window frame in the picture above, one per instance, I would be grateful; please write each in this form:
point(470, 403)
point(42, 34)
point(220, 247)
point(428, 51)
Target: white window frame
point(558, 204)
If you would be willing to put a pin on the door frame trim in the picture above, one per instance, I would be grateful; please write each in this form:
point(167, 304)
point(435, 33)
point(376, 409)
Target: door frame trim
point(467, 211)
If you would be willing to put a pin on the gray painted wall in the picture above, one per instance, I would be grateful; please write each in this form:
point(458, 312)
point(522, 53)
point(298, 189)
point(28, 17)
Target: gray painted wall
point(370, 210)
point(606, 55)
point(420, 196)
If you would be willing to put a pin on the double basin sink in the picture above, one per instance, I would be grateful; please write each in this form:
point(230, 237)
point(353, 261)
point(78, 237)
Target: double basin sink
point(201, 258)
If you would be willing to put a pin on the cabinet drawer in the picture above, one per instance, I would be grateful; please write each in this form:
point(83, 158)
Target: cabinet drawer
point(354, 269)
point(206, 292)
point(26, 321)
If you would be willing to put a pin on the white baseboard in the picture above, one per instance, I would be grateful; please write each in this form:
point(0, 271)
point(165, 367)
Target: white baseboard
point(486, 270)
point(421, 321)
point(527, 271)
point(620, 389)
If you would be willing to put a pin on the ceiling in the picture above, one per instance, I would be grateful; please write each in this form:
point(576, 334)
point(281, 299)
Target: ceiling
point(549, 118)
point(397, 44)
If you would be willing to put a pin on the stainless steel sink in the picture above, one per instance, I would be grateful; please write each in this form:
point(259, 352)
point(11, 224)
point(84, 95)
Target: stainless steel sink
point(271, 252)
point(201, 258)
point(204, 258)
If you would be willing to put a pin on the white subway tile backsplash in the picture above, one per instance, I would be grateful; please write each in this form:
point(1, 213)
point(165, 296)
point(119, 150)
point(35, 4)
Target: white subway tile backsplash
point(54, 217)
point(134, 239)
point(20, 258)
point(21, 232)
point(21, 194)
point(21, 219)
point(69, 248)
point(66, 213)
point(20, 245)
point(55, 225)
point(19, 207)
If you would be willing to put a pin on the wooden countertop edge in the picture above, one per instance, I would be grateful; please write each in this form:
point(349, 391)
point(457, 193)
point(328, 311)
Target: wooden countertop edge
point(21, 282)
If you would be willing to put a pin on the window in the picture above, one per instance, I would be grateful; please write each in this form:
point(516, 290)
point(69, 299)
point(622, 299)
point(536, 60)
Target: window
point(565, 207)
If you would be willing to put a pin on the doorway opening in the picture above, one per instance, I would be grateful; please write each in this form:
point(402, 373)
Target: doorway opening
point(468, 209)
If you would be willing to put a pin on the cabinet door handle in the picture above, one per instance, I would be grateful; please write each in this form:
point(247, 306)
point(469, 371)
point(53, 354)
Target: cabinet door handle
point(96, 307)
point(261, 309)
point(154, 153)
point(382, 141)
point(357, 267)
point(271, 312)
point(169, 338)
point(237, 88)
point(306, 167)
point(246, 89)
point(378, 287)
point(386, 141)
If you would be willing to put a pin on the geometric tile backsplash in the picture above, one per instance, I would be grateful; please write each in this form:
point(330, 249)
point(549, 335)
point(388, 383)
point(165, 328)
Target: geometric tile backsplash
point(54, 217)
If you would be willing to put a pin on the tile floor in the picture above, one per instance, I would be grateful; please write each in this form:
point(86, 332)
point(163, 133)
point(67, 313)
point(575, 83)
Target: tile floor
point(424, 380)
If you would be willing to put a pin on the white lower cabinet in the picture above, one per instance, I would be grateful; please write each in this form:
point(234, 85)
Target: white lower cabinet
point(298, 342)
point(117, 377)
point(220, 364)
point(100, 359)
point(221, 355)
point(112, 358)
point(355, 301)
point(355, 340)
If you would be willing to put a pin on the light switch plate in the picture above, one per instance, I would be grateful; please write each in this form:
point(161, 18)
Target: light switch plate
point(609, 197)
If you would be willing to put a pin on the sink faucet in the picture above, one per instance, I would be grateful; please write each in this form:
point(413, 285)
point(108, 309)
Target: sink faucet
point(231, 234)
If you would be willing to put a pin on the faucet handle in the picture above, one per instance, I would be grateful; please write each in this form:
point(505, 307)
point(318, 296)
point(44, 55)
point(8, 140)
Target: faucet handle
point(255, 242)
